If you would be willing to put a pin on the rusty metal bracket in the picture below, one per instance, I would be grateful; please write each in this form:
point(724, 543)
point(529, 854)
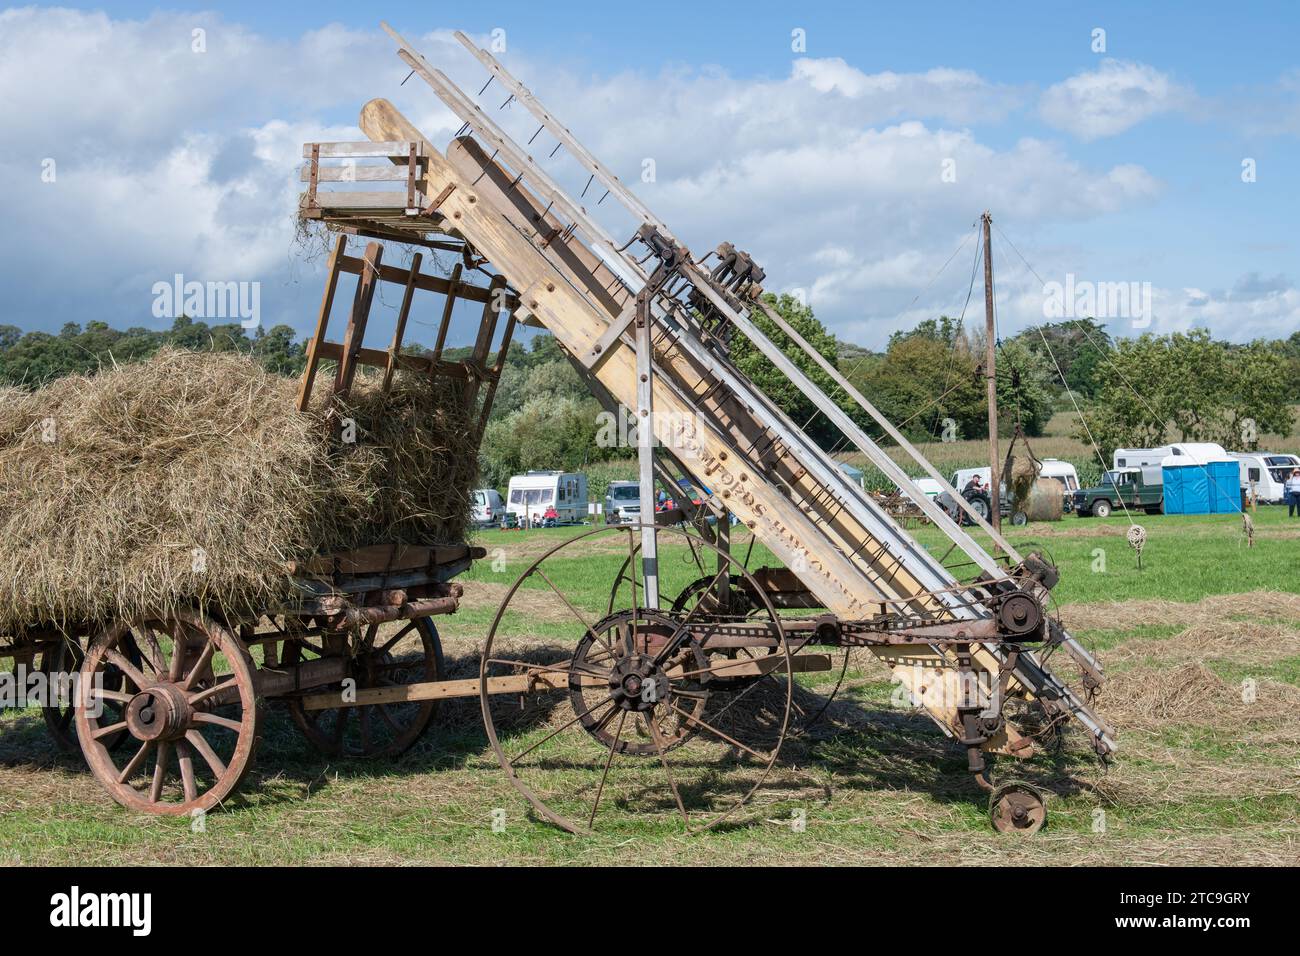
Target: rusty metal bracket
point(438, 200)
point(315, 174)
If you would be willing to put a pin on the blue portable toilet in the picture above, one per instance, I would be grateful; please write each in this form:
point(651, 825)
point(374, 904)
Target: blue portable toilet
point(1201, 479)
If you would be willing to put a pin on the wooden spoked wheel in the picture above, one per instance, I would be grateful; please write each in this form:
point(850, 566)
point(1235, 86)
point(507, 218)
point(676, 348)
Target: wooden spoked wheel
point(60, 664)
point(410, 653)
point(189, 710)
point(632, 713)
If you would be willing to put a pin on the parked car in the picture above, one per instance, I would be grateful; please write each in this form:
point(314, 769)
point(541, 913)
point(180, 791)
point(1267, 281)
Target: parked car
point(1136, 489)
point(623, 502)
point(487, 506)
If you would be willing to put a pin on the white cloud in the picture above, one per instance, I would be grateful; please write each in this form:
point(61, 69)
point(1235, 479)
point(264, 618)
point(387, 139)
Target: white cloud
point(171, 161)
point(1110, 99)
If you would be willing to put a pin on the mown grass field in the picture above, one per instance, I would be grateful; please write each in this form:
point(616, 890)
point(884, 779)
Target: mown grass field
point(1202, 648)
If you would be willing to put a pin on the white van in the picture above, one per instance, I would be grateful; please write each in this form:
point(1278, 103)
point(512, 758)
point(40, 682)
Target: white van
point(487, 506)
point(530, 496)
point(1265, 472)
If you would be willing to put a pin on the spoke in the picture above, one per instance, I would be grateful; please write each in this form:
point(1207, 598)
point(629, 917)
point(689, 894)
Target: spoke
point(160, 770)
point(152, 652)
point(690, 694)
point(340, 725)
point(186, 761)
point(397, 637)
point(717, 733)
point(180, 649)
point(206, 752)
point(215, 689)
point(114, 695)
point(565, 726)
point(558, 668)
point(135, 762)
point(659, 747)
point(387, 718)
point(119, 661)
point(364, 719)
point(567, 603)
point(205, 658)
point(109, 730)
point(216, 720)
point(609, 759)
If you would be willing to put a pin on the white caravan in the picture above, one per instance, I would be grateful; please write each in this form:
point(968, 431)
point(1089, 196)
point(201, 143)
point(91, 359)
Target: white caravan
point(529, 496)
point(1264, 473)
point(1190, 453)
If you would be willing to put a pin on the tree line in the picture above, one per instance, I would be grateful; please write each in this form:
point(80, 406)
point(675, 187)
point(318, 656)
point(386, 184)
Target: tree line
point(928, 380)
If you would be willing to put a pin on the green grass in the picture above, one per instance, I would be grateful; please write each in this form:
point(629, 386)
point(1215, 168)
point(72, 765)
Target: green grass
point(878, 784)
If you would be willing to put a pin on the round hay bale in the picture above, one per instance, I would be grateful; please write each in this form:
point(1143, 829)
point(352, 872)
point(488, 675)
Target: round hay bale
point(1045, 501)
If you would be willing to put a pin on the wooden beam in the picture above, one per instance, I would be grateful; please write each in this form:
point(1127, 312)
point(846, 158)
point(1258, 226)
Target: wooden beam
point(453, 288)
point(378, 358)
point(424, 281)
point(359, 150)
point(322, 321)
point(487, 329)
point(403, 313)
point(494, 380)
point(355, 174)
point(545, 680)
point(356, 330)
point(357, 202)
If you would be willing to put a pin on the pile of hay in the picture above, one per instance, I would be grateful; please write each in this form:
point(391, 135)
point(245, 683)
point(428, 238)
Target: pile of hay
point(191, 478)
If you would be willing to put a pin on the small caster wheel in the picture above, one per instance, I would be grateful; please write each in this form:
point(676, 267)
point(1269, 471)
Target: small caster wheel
point(1017, 808)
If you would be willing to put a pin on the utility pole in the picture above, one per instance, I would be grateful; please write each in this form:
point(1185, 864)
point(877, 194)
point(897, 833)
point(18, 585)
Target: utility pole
point(991, 381)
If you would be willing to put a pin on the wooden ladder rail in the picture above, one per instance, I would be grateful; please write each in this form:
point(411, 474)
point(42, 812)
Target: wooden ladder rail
point(332, 270)
point(403, 313)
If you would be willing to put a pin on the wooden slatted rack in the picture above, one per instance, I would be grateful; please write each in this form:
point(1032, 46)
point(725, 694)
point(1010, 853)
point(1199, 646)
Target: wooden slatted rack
point(351, 353)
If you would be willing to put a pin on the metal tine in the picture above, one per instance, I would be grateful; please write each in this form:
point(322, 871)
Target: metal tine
point(476, 119)
point(561, 132)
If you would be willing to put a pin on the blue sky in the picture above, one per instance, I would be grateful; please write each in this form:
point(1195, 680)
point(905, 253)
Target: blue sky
point(1122, 165)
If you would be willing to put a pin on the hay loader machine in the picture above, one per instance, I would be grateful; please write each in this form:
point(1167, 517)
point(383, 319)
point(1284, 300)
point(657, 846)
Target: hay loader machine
point(680, 679)
point(649, 326)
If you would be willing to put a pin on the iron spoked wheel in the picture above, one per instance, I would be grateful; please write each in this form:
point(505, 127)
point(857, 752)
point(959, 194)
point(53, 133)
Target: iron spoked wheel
point(412, 653)
point(60, 664)
point(635, 721)
point(189, 709)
